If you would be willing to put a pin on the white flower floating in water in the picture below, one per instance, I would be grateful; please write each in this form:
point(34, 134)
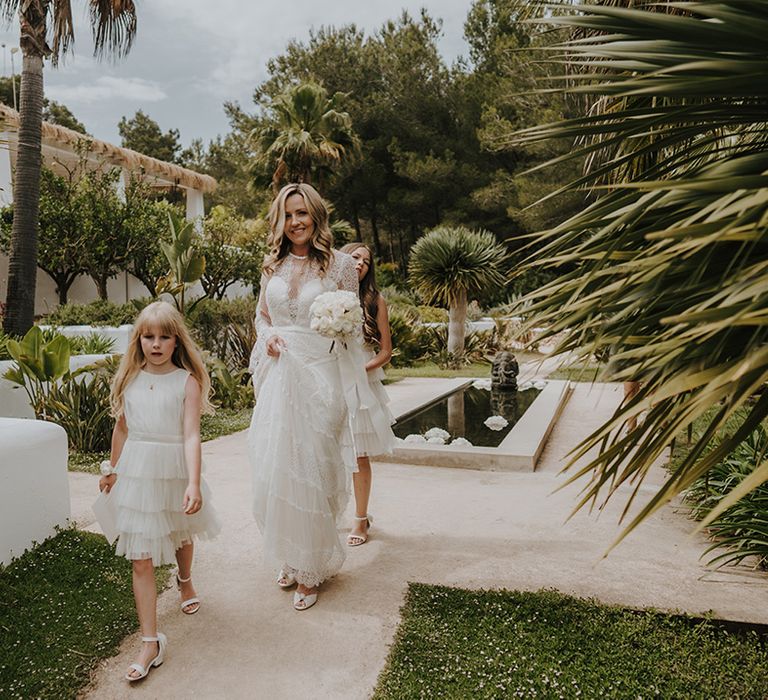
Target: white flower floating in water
point(436, 440)
point(539, 384)
point(413, 438)
point(524, 386)
point(496, 422)
point(461, 442)
point(436, 433)
point(482, 384)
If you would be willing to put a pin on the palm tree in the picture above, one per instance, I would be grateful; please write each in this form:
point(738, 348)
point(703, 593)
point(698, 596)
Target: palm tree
point(667, 272)
point(114, 26)
point(306, 137)
point(448, 265)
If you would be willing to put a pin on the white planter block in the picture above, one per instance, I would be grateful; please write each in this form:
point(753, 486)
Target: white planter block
point(34, 489)
point(14, 402)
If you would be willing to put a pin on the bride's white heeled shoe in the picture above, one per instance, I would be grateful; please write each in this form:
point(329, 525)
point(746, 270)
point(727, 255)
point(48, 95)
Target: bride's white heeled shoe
point(162, 643)
point(285, 580)
point(302, 601)
point(355, 540)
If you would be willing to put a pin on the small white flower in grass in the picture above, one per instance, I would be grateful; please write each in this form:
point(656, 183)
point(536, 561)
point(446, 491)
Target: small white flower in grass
point(496, 422)
point(414, 438)
point(437, 432)
point(484, 384)
point(460, 442)
point(436, 440)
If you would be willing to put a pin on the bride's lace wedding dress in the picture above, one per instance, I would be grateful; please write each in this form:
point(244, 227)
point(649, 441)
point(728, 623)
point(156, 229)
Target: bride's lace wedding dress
point(300, 447)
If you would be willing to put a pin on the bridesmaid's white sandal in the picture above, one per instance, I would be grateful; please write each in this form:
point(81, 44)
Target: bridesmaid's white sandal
point(302, 601)
point(192, 601)
point(355, 540)
point(162, 642)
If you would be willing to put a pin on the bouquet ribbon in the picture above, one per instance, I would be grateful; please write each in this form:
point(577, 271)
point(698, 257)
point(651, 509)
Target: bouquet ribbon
point(354, 379)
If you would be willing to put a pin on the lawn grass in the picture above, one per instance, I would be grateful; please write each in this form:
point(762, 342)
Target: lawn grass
point(454, 643)
point(64, 605)
point(430, 369)
point(577, 373)
point(223, 422)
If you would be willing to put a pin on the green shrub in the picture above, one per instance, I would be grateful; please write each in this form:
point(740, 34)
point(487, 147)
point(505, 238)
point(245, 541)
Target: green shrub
point(406, 337)
point(740, 530)
point(230, 389)
point(432, 314)
point(80, 405)
point(389, 275)
point(96, 313)
point(4, 338)
point(91, 344)
point(225, 329)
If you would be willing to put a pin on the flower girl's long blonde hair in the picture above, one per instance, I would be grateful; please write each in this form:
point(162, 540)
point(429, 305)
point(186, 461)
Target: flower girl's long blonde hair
point(163, 316)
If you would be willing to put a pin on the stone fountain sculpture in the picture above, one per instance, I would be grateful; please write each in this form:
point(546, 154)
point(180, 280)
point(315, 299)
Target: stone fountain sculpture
point(504, 371)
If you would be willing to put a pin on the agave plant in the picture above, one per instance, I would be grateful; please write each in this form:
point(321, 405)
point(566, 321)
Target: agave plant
point(667, 271)
point(449, 265)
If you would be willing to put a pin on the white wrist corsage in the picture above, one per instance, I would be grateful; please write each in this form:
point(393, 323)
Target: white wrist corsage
point(106, 468)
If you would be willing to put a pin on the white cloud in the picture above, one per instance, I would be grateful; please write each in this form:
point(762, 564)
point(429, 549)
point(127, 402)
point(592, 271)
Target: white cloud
point(107, 87)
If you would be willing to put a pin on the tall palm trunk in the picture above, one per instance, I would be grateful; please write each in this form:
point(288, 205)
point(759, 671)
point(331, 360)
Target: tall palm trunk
point(22, 265)
point(457, 319)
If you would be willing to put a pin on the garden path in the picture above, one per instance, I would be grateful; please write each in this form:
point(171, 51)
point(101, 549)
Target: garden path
point(449, 526)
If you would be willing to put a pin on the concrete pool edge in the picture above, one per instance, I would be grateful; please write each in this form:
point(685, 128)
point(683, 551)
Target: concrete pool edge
point(518, 451)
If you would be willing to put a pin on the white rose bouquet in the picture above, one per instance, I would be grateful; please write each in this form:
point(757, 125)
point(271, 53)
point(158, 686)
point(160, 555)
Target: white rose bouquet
point(337, 315)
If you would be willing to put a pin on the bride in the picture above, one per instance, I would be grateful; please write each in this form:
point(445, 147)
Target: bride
point(299, 444)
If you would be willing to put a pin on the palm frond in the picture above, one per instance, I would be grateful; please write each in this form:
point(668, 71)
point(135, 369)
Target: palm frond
point(667, 271)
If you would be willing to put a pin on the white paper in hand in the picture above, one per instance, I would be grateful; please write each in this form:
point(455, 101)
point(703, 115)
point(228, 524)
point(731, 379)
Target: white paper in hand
point(105, 510)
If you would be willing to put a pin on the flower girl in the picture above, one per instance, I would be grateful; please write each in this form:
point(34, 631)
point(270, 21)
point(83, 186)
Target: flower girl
point(159, 391)
point(372, 432)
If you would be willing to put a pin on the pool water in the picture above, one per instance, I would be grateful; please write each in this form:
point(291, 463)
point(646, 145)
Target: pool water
point(463, 414)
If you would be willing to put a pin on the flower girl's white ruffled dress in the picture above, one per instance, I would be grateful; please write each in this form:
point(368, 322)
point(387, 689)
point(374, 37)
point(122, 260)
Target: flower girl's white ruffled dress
point(152, 473)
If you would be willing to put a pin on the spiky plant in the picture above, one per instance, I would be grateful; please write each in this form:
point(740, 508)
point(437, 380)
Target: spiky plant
point(667, 272)
point(449, 265)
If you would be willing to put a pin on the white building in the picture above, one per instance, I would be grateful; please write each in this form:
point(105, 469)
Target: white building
point(60, 150)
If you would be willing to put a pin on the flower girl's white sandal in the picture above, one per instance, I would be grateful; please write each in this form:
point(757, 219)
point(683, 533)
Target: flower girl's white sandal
point(192, 601)
point(355, 540)
point(302, 601)
point(162, 642)
point(285, 579)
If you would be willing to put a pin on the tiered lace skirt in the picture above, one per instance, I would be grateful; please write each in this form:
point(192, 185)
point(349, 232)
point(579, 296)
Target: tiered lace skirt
point(372, 426)
point(302, 457)
point(149, 493)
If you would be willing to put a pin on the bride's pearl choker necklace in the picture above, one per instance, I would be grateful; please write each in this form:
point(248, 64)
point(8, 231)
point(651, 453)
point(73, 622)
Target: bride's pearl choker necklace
point(298, 257)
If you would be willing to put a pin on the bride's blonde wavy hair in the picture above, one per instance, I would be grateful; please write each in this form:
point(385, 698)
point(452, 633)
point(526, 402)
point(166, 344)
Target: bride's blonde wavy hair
point(321, 243)
point(162, 316)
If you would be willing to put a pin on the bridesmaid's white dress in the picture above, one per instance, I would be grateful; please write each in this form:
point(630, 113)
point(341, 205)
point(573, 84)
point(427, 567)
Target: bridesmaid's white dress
point(300, 442)
point(152, 473)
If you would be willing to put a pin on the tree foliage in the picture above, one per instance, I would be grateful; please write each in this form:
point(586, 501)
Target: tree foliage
point(141, 133)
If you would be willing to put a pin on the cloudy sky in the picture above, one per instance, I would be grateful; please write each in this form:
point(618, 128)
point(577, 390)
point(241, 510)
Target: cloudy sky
point(190, 56)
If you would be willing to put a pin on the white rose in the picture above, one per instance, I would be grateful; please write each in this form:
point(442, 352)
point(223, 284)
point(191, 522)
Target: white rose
point(413, 438)
point(436, 440)
point(437, 432)
point(460, 442)
point(496, 422)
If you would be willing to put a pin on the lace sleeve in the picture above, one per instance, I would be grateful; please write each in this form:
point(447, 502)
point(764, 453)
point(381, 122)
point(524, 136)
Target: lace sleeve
point(263, 324)
point(344, 272)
